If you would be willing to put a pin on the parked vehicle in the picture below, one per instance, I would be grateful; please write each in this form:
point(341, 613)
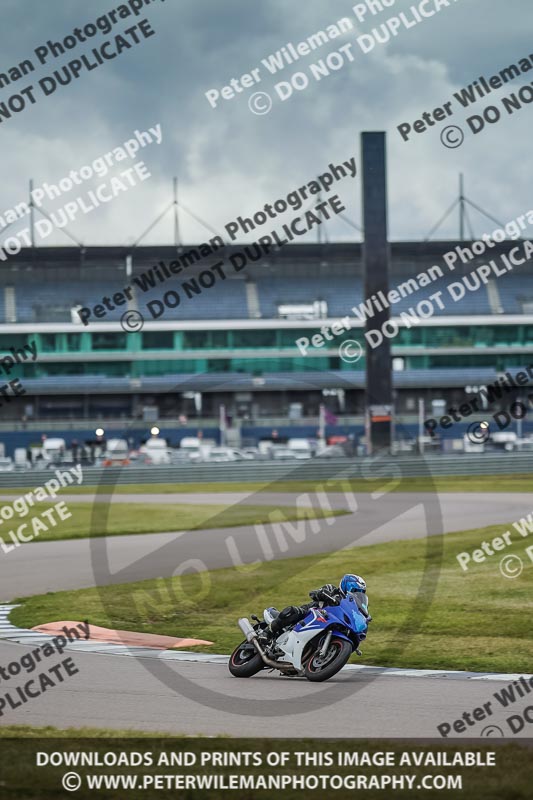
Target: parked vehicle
point(218, 454)
point(283, 454)
point(156, 450)
point(302, 448)
point(252, 454)
point(298, 453)
point(117, 453)
point(197, 448)
point(502, 440)
point(470, 445)
point(21, 463)
point(53, 449)
point(332, 451)
point(178, 456)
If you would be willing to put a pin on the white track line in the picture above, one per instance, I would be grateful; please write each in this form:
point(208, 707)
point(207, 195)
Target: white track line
point(11, 633)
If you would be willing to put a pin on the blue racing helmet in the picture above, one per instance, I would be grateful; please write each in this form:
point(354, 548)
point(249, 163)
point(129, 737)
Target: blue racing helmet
point(352, 583)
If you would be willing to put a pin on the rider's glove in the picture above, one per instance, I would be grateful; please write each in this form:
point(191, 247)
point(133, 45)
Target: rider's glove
point(328, 593)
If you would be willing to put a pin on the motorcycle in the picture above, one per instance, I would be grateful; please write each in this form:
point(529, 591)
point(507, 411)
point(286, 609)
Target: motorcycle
point(315, 648)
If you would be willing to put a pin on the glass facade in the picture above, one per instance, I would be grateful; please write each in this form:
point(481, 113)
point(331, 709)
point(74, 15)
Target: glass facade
point(271, 350)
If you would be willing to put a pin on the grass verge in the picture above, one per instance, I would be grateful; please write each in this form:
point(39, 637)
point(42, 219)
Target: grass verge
point(95, 520)
point(455, 483)
point(49, 732)
point(475, 620)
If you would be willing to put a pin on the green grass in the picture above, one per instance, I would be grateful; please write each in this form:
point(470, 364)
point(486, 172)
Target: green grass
point(49, 732)
point(455, 483)
point(476, 620)
point(120, 519)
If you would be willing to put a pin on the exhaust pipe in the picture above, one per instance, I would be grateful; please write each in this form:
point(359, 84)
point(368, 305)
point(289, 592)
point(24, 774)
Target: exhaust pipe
point(247, 629)
point(251, 636)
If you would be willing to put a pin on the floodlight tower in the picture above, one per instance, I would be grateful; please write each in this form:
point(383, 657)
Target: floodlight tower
point(376, 261)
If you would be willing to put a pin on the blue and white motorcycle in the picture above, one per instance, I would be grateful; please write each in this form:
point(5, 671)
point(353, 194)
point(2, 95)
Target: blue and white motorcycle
point(315, 648)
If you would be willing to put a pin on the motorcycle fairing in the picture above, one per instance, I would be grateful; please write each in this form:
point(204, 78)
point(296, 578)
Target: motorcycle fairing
point(347, 614)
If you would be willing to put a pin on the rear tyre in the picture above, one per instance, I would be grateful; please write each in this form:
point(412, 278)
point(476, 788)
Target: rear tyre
point(245, 661)
point(319, 668)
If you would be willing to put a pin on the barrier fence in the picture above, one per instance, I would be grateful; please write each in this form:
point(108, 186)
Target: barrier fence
point(314, 470)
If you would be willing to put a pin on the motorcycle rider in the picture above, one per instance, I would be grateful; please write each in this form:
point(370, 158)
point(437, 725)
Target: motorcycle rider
point(327, 594)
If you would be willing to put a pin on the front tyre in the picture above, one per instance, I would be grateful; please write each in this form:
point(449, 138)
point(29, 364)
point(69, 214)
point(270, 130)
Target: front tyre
point(245, 661)
point(321, 668)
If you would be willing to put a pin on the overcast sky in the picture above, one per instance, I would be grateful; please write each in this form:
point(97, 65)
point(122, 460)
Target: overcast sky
point(230, 161)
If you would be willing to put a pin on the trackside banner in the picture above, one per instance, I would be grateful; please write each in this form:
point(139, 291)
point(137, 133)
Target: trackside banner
point(213, 768)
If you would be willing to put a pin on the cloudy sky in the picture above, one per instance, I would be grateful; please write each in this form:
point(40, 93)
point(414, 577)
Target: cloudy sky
point(230, 161)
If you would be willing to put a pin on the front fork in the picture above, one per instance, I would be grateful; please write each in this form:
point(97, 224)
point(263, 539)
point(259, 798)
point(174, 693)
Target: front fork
point(324, 649)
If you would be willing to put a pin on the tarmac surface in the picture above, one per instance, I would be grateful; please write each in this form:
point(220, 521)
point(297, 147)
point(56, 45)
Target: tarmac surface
point(38, 567)
point(202, 698)
point(117, 692)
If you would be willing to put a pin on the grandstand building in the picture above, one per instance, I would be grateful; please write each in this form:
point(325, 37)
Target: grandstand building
point(233, 341)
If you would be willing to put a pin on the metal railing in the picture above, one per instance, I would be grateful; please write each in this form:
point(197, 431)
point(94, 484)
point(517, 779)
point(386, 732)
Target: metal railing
point(271, 471)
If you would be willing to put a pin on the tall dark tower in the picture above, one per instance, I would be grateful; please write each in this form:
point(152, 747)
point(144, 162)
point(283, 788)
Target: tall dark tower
point(376, 259)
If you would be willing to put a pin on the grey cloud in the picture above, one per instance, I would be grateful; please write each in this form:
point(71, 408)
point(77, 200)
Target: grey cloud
point(231, 162)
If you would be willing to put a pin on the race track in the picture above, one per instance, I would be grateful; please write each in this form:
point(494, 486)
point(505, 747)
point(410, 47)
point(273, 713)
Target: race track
point(117, 691)
point(38, 567)
point(121, 693)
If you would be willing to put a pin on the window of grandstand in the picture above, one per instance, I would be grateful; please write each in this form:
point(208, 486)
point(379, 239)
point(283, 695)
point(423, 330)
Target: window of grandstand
point(14, 340)
point(109, 341)
point(48, 342)
point(288, 337)
point(316, 310)
point(407, 337)
point(506, 334)
point(219, 339)
point(158, 340)
point(454, 335)
point(265, 338)
point(160, 367)
point(72, 368)
point(117, 369)
point(221, 365)
point(73, 342)
point(199, 340)
point(467, 361)
point(412, 336)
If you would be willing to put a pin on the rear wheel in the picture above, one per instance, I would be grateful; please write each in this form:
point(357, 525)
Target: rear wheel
point(245, 661)
point(321, 668)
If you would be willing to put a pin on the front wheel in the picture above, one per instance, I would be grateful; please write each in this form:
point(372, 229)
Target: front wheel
point(321, 668)
point(245, 661)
